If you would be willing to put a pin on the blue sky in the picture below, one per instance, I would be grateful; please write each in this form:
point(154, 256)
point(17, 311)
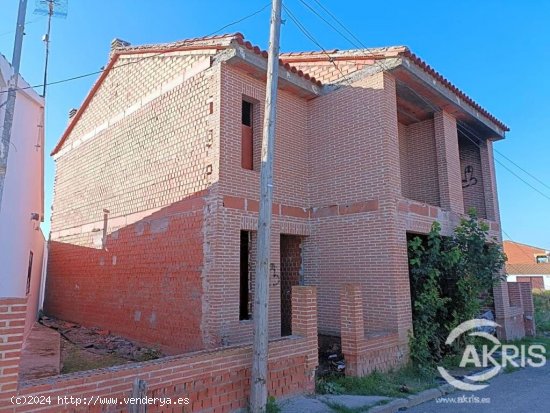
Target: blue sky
point(498, 52)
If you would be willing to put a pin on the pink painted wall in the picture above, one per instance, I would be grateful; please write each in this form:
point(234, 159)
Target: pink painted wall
point(23, 196)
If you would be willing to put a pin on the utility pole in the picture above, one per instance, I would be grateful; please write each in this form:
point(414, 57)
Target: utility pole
point(258, 382)
point(50, 8)
point(47, 44)
point(12, 94)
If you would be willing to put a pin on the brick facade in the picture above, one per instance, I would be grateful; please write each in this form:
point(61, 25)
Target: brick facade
point(366, 352)
point(215, 381)
point(351, 180)
point(12, 328)
point(521, 301)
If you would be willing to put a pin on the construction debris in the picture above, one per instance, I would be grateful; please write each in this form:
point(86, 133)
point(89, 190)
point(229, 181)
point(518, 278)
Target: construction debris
point(100, 341)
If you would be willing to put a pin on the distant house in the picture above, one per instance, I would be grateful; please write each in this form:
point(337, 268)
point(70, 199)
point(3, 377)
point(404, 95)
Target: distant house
point(528, 264)
point(157, 185)
point(22, 209)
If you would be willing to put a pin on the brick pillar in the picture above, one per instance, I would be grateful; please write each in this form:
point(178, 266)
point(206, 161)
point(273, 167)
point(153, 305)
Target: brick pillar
point(526, 293)
point(489, 181)
point(514, 293)
point(352, 329)
point(448, 162)
point(12, 329)
point(502, 309)
point(304, 323)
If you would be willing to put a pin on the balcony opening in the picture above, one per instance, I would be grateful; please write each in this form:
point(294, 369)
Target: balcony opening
point(247, 138)
point(418, 161)
point(472, 178)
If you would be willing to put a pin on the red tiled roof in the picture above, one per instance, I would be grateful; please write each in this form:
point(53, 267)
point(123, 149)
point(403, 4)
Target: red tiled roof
point(218, 42)
point(528, 269)
point(521, 253)
point(312, 66)
point(370, 56)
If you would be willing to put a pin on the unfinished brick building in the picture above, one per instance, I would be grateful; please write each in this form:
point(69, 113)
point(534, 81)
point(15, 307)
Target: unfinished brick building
point(157, 183)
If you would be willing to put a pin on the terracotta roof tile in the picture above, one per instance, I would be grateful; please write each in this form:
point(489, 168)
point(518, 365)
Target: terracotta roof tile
point(527, 269)
point(311, 60)
point(521, 253)
point(314, 66)
point(218, 41)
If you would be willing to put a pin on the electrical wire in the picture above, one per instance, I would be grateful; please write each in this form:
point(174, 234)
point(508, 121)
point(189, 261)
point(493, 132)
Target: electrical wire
point(516, 165)
point(26, 24)
point(520, 246)
point(464, 126)
point(460, 125)
point(168, 50)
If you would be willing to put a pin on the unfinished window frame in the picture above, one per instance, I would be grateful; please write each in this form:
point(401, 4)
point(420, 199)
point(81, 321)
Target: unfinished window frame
point(245, 293)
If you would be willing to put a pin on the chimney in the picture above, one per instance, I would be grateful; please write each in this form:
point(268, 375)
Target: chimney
point(118, 43)
point(72, 112)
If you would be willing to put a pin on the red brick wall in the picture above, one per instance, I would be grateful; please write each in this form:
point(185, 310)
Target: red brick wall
point(448, 161)
point(419, 178)
point(354, 160)
point(12, 329)
point(366, 352)
point(536, 282)
point(145, 284)
point(291, 275)
point(215, 381)
point(154, 169)
point(338, 183)
point(472, 185)
point(237, 205)
point(528, 308)
point(520, 253)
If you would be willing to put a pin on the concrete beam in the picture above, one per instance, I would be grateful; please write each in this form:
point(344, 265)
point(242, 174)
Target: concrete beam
point(238, 55)
point(449, 96)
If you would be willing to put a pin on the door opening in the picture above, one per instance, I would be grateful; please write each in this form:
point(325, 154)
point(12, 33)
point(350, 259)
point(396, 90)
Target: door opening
point(291, 274)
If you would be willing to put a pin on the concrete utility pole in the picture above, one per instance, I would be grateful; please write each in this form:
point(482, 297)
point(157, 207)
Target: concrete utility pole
point(258, 382)
point(12, 94)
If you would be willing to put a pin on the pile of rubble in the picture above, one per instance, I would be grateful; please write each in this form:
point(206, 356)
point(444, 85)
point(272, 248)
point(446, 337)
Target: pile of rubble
point(102, 342)
point(331, 359)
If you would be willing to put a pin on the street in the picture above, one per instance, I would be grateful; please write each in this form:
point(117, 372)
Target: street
point(518, 392)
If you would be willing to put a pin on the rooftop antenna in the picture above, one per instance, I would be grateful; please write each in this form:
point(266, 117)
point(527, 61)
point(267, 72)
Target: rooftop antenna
point(50, 8)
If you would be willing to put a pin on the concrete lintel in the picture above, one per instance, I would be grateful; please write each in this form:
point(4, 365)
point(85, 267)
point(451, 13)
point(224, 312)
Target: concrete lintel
point(448, 95)
point(237, 54)
point(388, 65)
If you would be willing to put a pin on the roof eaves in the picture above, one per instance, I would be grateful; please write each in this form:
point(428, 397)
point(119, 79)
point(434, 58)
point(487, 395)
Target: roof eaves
point(86, 102)
point(207, 42)
point(286, 65)
point(439, 77)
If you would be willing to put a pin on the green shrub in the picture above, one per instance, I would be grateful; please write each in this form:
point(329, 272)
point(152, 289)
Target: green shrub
point(542, 310)
point(451, 282)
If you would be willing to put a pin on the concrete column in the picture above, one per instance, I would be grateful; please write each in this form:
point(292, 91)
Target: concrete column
point(448, 162)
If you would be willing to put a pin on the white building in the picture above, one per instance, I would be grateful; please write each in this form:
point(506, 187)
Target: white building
point(22, 243)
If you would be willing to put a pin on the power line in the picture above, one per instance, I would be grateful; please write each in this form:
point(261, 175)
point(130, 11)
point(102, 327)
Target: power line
point(518, 244)
point(475, 140)
point(330, 58)
point(26, 24)
point(465, 133)
point(376, 62)
point(327, 22)
point(168, 50)
point(516, 165)
point(408, 87)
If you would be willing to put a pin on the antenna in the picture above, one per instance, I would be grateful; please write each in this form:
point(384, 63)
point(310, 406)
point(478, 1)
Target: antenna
point(50, 8)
